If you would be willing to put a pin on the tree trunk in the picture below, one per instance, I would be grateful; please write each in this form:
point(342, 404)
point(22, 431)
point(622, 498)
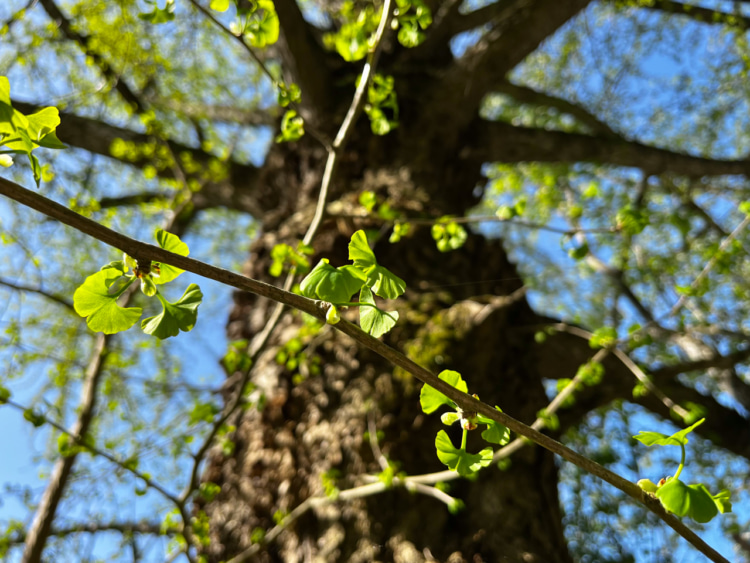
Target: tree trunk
point(312, 424)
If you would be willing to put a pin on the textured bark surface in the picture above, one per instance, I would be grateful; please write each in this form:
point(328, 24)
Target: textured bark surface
point(310, 427)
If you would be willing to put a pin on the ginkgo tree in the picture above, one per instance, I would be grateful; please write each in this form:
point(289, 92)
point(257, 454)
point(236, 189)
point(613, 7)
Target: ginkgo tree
point(423, 187)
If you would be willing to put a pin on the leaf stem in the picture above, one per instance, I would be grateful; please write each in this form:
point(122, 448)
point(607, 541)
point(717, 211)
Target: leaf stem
point(463, 440)
point(682, 462)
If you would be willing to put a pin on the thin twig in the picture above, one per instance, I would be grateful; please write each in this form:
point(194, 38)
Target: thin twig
point(51, 296)
point(709, 265)
point(479, 219)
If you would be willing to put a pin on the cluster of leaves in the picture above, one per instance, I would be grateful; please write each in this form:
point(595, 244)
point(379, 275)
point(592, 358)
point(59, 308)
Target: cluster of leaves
point(292, 127)
point(296, 356)
point(380, 97)
point(458, 459)
point(257, 21)
point(21, 134)
point(448, 234)
point(352, 40)
point(285, 256)
point(158, 15)
point(412, 18)
point(366, 276)
point(96, 299)
point(695, 500)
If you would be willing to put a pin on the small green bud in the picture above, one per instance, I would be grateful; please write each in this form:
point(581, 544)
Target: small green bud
point(332, 316)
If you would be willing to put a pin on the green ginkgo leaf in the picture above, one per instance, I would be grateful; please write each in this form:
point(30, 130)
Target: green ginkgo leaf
point(175, 317)
point(495, 433)
point(360, 252)
point(263, 25)
point(94, 301)
point(42, 123)
point(688, 500)
point(383, 282)
point(659, 439)
point(374, 321)
point(172, 243)
point(721, 499)
point(430, 399)
point(335, 285)
point(460, 461)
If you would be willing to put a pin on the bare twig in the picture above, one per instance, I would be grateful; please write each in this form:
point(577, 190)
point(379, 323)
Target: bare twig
point(39, 291)
point(682, 301)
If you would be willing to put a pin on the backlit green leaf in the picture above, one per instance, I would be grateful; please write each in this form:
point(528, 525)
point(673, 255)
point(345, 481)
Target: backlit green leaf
point(335, 285)
point(383, 282)
point(42, 123)
point(94, 301)
point(175, 317)
point(430, 399)
point(220, 5)
point(460, 461)
point(263, 26)
point(688, 500)
point(659, 439)
point(495, 433)
point(374, 321)
point(172, 243)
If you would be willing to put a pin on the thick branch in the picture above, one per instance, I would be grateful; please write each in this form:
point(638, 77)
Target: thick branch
point(96, 137)
point(703, 15)
point(304, 59)
point(141, 251)
point(152, 528)
point(718, 361)
point(47, 509)
point(218, 113)
point(528, 95)
point(501, 142)
point(509, 42)
point(132, 199)
point(562, 353)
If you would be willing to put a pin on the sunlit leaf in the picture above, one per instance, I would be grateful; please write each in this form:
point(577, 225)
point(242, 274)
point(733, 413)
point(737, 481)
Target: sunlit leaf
point(175, 317)
point(430, 399)
point(375, 321)
point(94, 301)
point(460, 461)
point(335, 285)
point(172, 243)
point(659, 439)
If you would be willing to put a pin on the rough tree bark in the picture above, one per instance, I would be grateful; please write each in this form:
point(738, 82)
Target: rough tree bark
point(310, 427)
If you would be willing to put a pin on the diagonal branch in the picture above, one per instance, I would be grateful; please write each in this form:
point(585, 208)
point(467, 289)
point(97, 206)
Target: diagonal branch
point(304, 58)
point(237, 191)
point(114, 78)
point(501, 142)
point(51, 296)
point(698, 13)
point(317, 309)
point(528, 95)
point(509, 42)
point(41, 526)
point(564, 352)
point(151, 528)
